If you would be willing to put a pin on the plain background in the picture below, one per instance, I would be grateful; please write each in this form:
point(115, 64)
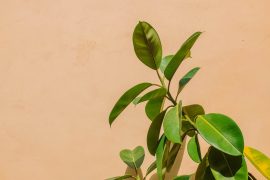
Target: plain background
point(63, 65)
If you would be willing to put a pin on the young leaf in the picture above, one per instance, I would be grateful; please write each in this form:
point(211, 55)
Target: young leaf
point(153, 107)
point(121, 177)
point(133, 158)
point(225, 166)
point(180, 55)
point(172, 124)
point(153, 133)
point(221, 132)
point(126, 99)
point(259, 160)
point(159, 157)
point(157, 93)
point(193, 148)
point(186, 78)
point(164, 62)
point(147, 45)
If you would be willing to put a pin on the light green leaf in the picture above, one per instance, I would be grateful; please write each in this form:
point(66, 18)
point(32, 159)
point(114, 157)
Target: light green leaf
point(159, 157)
point(227, 167)
point(180, 55)
point(164, 62)
point(121, 177)
point(153, 107)
point(157, 93)
point(126, 99)
point(147, 45)
point(186, 78)
point(153, 133)
point(259, 160)
point(193, 149)
point(221, 132)
point(172, 124)
point(133, 158)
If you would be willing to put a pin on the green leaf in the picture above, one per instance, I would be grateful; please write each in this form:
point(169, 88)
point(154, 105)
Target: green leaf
point(164, 62)
point(186, 78)
point(203, 171)
point(192, 111)
point(153, 107)
point(180, 55)
point(225, 166)
point(121, 177)
point(153, 133)
point(159, 157)
point(133, 158)
point(126, 99)
point(172, 156)
point(221, 132)
point(172, 124)
point(184, 177)
point(147, 45)
point(157, 93)
point(193, 148)
point(259, 160)
point(151, 168)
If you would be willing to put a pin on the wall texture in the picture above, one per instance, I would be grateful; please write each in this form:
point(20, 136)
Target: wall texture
point(63, 64)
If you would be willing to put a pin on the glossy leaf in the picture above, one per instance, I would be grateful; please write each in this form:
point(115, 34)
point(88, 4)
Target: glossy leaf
point(221, 132)
point(172, 124)
point(184, 177)
point(159, 157)
point(203, 171)
point(133, 158)
point(186, 78)
point(193, 149)
point(180, 55)
point(192, 111)
point(164, 62)
point(147, 45)
point(121, 177)
point(126, 99)
point(225, 166)
point(153, 133)
point(153, 107)
point(151, 168)
point(157, 93)
point(259, 160)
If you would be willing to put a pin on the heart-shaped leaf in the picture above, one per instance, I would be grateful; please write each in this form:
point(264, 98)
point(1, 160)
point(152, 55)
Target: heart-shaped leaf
point(259, 160)
point(153, 133)
point(157, 93)
point(126, 99)
point(147, 45)
point(225, 166)
point(193, 149)
point(221, 132)
point(153, 107)
point(172, 124)
point(186, 78)
point(121, 177)
point(159, 157)
point(180, 55)
point(133, 158)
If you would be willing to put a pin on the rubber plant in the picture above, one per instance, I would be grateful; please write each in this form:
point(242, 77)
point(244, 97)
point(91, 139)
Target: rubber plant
point(172, 125)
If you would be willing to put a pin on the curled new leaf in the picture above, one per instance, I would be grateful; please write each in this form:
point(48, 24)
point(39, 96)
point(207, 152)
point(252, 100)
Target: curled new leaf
point(133, 158)
point(126, 99)
point(221, 132)
point(259, 160)
point(147, 45)
point(180, 55)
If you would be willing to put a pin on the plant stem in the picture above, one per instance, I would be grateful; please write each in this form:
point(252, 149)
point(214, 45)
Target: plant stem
point(160, 79)
point(191, 122)
point(251, 176)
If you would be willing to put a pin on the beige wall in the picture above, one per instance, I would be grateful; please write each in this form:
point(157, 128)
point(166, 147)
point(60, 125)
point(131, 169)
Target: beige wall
point(64, 63)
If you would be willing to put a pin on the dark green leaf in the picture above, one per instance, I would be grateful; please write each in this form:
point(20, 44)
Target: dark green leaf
point(121, 177)
point(192, 111)
point(126, 99)
point(186, 78)
point(180, 55)
point(203, 171)
point(193, 148)
point(147, 45)
point(153, 133)
point(184, 177)
point(133, 158)
point(159, 157)
point(164, 62)
point(151, 168)
point(172, 156)
point(172, 124)
point(225, 166)
point(221, 132)
point(153, 107)
point(157, 93)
